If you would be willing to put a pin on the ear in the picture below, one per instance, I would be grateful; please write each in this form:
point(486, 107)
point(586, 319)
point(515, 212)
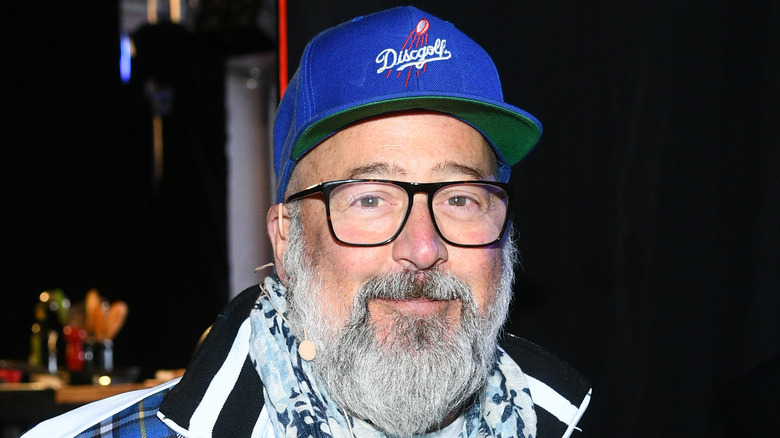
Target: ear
point(278, 224)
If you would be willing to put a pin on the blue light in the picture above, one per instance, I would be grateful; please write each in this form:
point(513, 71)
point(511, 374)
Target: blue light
point(124, 57)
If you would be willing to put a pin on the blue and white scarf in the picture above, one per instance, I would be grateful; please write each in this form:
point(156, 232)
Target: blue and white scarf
point(299, 405)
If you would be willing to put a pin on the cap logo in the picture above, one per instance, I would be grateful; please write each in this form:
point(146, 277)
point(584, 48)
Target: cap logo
point(414, 54)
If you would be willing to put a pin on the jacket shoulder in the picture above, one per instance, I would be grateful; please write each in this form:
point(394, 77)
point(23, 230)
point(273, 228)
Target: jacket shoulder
point(224, 353)
point(560, 393)
point(127, 415)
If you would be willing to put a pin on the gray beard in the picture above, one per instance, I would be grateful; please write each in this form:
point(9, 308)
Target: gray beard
point(423, 370)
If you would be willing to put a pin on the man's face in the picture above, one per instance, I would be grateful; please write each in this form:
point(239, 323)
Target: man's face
point(405, 332)
point(417, 147)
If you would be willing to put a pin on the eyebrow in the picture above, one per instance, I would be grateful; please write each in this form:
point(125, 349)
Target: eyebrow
point(453, 167)
point(373, 169)
point(386, 169)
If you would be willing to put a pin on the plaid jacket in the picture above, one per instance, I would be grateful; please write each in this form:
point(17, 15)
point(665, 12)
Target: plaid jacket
point(221, 394)
point(139, 420)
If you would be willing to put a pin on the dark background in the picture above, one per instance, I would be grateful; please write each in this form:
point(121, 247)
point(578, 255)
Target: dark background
point(648, 215)
point(81, 208)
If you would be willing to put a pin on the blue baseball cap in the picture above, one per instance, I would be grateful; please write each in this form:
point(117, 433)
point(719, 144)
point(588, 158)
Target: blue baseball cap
point(395, 60)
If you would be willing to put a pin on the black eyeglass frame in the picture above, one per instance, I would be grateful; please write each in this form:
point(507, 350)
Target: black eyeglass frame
point(411, 189)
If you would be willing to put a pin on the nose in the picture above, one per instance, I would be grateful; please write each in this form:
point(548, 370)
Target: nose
point(419, 245)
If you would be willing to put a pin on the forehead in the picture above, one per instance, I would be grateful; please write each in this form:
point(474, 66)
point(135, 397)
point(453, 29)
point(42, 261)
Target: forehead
point(417, 146)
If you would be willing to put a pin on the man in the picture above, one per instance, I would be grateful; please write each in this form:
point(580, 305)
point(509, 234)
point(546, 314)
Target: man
point(395, 262)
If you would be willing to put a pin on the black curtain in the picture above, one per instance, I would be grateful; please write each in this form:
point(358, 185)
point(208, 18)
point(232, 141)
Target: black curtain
point(648, 214)
point(651, 223)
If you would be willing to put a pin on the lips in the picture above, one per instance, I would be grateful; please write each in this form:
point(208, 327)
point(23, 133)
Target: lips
point(418, 306)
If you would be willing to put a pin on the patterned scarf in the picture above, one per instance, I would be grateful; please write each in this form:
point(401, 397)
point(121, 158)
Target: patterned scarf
point(299, 405)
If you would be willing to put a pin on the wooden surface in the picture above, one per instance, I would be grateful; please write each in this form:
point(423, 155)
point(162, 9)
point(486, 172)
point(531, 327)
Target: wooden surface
point(80, 394)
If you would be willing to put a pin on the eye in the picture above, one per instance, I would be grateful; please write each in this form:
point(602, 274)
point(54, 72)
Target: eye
point(458, 201)
point(366, 197)
point(369, 201)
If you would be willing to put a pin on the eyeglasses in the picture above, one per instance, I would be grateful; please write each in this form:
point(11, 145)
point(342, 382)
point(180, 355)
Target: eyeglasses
point(372, 212)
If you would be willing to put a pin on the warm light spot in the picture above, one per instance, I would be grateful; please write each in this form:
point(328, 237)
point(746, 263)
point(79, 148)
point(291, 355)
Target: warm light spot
point(104, 380)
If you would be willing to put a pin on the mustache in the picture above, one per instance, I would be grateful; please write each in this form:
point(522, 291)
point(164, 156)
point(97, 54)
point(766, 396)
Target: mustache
point(409, 331)
point(405, 285)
